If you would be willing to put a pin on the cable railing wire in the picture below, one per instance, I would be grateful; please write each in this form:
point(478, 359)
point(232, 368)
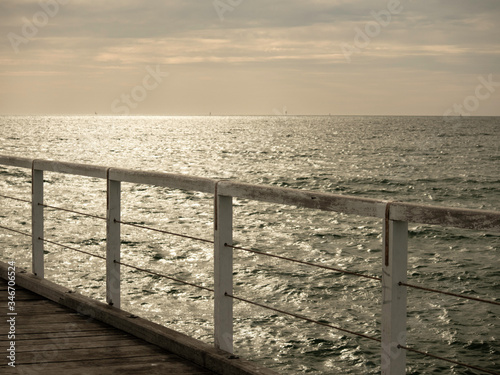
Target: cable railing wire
point(127, 265)
point(449, 293)
point(73, 211)
point(359, 334)
point(71, 248)
point(15, 199)
point(16, 231)
point(165, 276)
point(163, 231)
point(303, 317)
point(211, 241)
point(250, 250)
point(304, 262)
point(127, 223)
point(448, 360)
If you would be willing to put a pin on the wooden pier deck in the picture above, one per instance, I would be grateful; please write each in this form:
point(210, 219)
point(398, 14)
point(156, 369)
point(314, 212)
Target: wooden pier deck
point(53, 339)
point(58, 331)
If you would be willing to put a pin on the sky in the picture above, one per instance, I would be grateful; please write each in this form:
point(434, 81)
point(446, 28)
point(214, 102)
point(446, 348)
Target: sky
point(250, 57)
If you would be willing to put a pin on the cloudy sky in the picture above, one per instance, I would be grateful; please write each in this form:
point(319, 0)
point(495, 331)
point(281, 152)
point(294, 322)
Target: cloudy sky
point(193, 57)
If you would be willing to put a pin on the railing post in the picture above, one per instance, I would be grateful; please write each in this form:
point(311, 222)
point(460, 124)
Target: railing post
point(394, 296)
point(37, 222)
point(223, 273)
point(113, 242)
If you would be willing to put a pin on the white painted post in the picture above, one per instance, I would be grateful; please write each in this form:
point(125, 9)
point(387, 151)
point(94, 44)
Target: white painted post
point(113, 243)
point(394, 297)
point(37, 223)
point(223, 273)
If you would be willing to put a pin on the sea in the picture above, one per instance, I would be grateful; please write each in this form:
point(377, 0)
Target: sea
point(443, 161)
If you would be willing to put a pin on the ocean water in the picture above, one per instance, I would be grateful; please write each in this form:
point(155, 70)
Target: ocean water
point(431, 160)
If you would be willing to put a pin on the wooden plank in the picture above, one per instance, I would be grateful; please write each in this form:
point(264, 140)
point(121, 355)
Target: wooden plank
point(88, 342)
point(72, 351)
point(173, 181)
point(35, 319)
point(14, 161)
point(97, 335)
point(55, 327)
point(37, 223)
point(303, 198)
point(446, 216)
point(21, 295)
point(191, 349)
point(57, 353)
point(113, 243)
point(223, 274)
point(132, 369)
point(20, 292)
point(135, 365)
point(87, 170)
point(42, 306)
point(393, 327)
point(26, 310)
point(414, 213)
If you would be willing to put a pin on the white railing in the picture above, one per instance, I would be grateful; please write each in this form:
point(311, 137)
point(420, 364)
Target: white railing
point(395, 216)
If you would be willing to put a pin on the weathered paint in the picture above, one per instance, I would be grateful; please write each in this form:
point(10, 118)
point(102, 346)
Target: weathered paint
point(174, 181)
point(393, 361)
point(410, 212)
point(37, 224)
point(223, 274)
point(113, 243)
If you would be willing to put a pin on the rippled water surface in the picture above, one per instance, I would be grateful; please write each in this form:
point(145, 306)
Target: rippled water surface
point(417, 159)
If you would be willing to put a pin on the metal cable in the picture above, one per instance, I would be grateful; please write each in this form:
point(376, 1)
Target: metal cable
point(74, 212)
point(450, 294)
point(128, 265)
point(16, 231)
point(71, 248)
point(302, 317)
point(165, 276)
point(306, 263)
point(126, 223)
point(360, 334)
point(448, 360)
point(163, 231)
point(16, 199)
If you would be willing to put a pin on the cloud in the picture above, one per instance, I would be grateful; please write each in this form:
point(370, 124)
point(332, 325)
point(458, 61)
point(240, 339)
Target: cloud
point(111, 42)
